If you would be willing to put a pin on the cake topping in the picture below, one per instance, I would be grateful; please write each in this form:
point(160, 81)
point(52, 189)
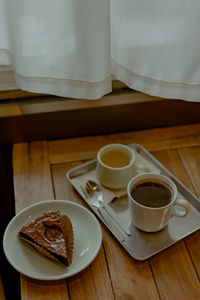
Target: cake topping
point(52, 233)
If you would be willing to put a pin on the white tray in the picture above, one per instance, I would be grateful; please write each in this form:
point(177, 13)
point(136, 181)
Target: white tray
point(139, 244)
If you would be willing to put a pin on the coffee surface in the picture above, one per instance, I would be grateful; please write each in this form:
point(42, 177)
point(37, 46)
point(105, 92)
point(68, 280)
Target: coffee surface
point(151, 194)
point(115, 158)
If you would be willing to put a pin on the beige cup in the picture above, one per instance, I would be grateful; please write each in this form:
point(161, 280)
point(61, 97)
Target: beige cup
point(153, 219)
point(114, 177)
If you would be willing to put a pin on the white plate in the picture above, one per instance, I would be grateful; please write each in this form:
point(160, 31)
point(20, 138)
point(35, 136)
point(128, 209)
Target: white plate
point(26, 260)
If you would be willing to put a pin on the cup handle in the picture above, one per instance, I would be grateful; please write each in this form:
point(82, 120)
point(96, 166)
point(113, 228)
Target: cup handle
point(184, 204)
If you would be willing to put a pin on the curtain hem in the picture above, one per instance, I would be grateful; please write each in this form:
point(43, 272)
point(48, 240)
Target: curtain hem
point(158, 88)
point(65, 87)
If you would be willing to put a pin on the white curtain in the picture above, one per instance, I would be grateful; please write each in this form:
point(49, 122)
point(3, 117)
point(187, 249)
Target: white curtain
point(73, 48)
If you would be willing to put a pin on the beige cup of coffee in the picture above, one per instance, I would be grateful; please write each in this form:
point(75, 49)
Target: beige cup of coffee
point(115, 165)
point(152, 199)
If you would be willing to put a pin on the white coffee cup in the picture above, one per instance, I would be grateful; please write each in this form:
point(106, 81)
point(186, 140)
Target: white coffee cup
point(112, 175)
point(152, 219)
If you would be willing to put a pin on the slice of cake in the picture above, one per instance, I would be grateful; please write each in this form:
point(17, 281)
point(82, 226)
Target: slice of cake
point(52, 235)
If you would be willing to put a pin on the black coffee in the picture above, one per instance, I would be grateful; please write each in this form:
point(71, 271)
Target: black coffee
point(151, 194)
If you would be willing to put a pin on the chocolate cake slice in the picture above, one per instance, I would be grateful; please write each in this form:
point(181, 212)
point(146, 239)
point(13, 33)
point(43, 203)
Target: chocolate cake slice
point(52, 235)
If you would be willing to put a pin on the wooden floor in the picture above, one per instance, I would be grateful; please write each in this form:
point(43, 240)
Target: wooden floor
point(39, 174)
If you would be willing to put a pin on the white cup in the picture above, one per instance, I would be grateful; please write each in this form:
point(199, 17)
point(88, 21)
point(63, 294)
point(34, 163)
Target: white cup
point(115, 177)
point(152, 219)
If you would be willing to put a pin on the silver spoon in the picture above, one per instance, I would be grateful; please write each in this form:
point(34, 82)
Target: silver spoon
point(94, 189)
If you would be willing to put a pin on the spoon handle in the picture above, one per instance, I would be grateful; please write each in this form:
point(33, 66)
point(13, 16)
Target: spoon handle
point(111, 224)
point(114, 216)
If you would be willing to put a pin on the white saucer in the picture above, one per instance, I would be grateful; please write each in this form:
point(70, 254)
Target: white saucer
point(26, 260)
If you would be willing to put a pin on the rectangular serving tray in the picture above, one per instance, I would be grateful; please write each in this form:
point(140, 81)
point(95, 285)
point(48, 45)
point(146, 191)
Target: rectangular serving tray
point(141, 245)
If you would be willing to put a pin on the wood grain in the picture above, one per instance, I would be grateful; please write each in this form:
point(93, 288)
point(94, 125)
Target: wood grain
point(174, 274)
point(32, 174)
point(43, 290)
point(33, 184)
point(173, 269)
point(72, 149)
point(190, 158)
point(131, 279)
